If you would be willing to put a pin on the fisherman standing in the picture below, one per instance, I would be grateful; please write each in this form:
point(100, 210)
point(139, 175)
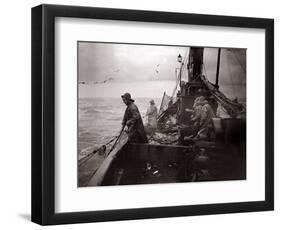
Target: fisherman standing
point(132, 121)
point(151, 114)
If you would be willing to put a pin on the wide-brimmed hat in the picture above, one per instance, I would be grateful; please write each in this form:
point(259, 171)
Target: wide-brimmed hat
point(127, 96)
point(202, 101)
point(152, 101)
point(199, 101)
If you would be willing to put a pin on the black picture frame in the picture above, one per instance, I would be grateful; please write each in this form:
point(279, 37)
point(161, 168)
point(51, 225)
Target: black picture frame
point(43, 113)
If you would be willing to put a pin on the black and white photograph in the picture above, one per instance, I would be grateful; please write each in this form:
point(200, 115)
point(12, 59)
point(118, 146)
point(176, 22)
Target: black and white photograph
point(148, 113)
point(151, 113)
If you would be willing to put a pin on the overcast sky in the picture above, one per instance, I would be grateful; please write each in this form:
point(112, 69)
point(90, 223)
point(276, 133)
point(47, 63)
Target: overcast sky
point(147, 71)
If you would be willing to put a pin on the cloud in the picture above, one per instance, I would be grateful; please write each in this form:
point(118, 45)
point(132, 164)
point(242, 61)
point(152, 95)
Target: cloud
point(98, 61)
point(134, 63)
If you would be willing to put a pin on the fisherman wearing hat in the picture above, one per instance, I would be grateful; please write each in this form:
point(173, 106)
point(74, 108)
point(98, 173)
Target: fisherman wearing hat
point(201, 118)
point(196, 116)
point(151, 114)
point(132, 121)
point(206, 115)
point(197, 106)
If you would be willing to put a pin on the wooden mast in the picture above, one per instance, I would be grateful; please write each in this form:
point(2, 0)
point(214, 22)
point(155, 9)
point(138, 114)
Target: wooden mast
point(218, 68)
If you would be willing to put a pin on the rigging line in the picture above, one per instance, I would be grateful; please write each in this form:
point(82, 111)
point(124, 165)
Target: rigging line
point(185, 56)
point(182, 72)
point(161, 104)
point(87, 157)
point(174, 90)
point(116, 141)
point(204, 69)
point(177, 82)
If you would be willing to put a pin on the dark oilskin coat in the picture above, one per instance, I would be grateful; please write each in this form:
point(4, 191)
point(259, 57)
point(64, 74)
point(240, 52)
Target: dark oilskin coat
point(132, 119)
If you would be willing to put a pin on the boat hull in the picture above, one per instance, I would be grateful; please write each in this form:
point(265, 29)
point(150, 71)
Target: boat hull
point(151, 164)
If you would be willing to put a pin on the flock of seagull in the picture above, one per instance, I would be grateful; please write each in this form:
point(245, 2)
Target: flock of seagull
point(111, 78)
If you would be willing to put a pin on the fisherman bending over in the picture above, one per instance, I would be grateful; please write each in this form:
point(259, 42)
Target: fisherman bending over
point(132, 121)
point(196, 116)
point(206, 116)
point(196, 110)
point(201, 118)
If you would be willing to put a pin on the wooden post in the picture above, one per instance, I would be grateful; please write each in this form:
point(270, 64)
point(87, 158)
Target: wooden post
point(218, 68)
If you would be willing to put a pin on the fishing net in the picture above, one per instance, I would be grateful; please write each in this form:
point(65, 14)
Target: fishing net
point(232, 107)
point(166, 100)
point(167, 131)
point(164, 138)
point(167, 119)
point(103, 150)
